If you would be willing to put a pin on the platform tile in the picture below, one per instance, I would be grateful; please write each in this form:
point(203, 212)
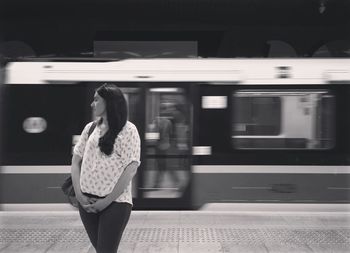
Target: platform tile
point(288, 248)
point(159, 247)
point(185, 247)
point(229, 247)
point(330, 248)
point(69, 248)
point(25, 248)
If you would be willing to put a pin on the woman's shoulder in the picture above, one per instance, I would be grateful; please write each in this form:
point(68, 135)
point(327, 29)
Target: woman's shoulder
point(128, 129)
point(88, 125)
point(130, 126)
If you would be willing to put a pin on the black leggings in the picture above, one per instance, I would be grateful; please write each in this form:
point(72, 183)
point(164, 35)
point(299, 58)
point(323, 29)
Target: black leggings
point(105, 228)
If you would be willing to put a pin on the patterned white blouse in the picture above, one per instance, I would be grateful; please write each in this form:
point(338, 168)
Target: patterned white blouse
point(99, 172)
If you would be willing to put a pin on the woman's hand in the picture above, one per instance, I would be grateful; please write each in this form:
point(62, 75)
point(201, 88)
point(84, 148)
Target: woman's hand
point(97, 206)
point(85, 200)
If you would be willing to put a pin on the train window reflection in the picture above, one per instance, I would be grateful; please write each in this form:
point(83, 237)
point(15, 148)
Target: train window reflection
point(167, 137)
point(272, 119)
point(167, 121)
point(257, 115)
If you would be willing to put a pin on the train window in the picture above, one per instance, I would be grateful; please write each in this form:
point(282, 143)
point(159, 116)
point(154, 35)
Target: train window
point(167, 141)
point(273, 119)
point(256, 115)
point(167, 112)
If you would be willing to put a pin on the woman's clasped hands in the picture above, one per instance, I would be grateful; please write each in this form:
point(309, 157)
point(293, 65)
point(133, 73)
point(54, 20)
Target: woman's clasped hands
point(93, 205)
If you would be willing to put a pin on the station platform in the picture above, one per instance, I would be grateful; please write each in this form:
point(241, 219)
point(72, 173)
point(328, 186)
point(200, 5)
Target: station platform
point(182, 232)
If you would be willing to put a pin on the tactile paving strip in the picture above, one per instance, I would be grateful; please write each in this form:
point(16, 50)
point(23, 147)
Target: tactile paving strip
point(187, 235)
point(345, 233)
point(43, 235)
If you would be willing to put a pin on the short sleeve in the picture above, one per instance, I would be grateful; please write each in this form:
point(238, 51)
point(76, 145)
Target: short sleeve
point(131, 146)
point(79, 148)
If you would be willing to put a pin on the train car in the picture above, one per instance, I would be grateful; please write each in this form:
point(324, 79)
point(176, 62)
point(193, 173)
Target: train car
point(237, 130)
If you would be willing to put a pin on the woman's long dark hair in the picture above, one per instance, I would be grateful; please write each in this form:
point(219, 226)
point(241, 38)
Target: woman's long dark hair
point(117, 113)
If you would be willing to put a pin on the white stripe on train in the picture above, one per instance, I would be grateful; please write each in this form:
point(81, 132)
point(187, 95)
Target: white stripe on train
point(265, 169)
point(200, 169)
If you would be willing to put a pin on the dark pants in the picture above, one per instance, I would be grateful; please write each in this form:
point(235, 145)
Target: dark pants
point(105, 229)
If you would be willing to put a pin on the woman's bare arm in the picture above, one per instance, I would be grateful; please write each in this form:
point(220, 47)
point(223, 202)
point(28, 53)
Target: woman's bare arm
point(75, 172)
point(123, 181)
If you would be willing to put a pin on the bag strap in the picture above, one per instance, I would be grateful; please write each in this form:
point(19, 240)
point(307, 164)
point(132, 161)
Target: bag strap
point(92, 127)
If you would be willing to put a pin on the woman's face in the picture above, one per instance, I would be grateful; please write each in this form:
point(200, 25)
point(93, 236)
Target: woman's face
point(98, 105)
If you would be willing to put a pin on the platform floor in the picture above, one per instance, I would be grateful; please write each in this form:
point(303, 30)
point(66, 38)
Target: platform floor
point(182, 232)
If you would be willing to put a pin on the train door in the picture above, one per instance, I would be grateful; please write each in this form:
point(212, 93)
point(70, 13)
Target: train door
point(166, 169)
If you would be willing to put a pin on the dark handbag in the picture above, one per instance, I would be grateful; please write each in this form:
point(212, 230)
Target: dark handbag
point(68, 190)
point(67, 186)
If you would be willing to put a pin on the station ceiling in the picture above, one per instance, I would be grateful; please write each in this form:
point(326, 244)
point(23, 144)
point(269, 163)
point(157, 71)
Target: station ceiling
point(69, 27)
point(225, 12)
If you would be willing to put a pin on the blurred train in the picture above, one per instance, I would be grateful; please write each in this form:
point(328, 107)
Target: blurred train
point(238, 130)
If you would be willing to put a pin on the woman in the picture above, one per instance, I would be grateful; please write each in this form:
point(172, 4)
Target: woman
point(103, 165)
